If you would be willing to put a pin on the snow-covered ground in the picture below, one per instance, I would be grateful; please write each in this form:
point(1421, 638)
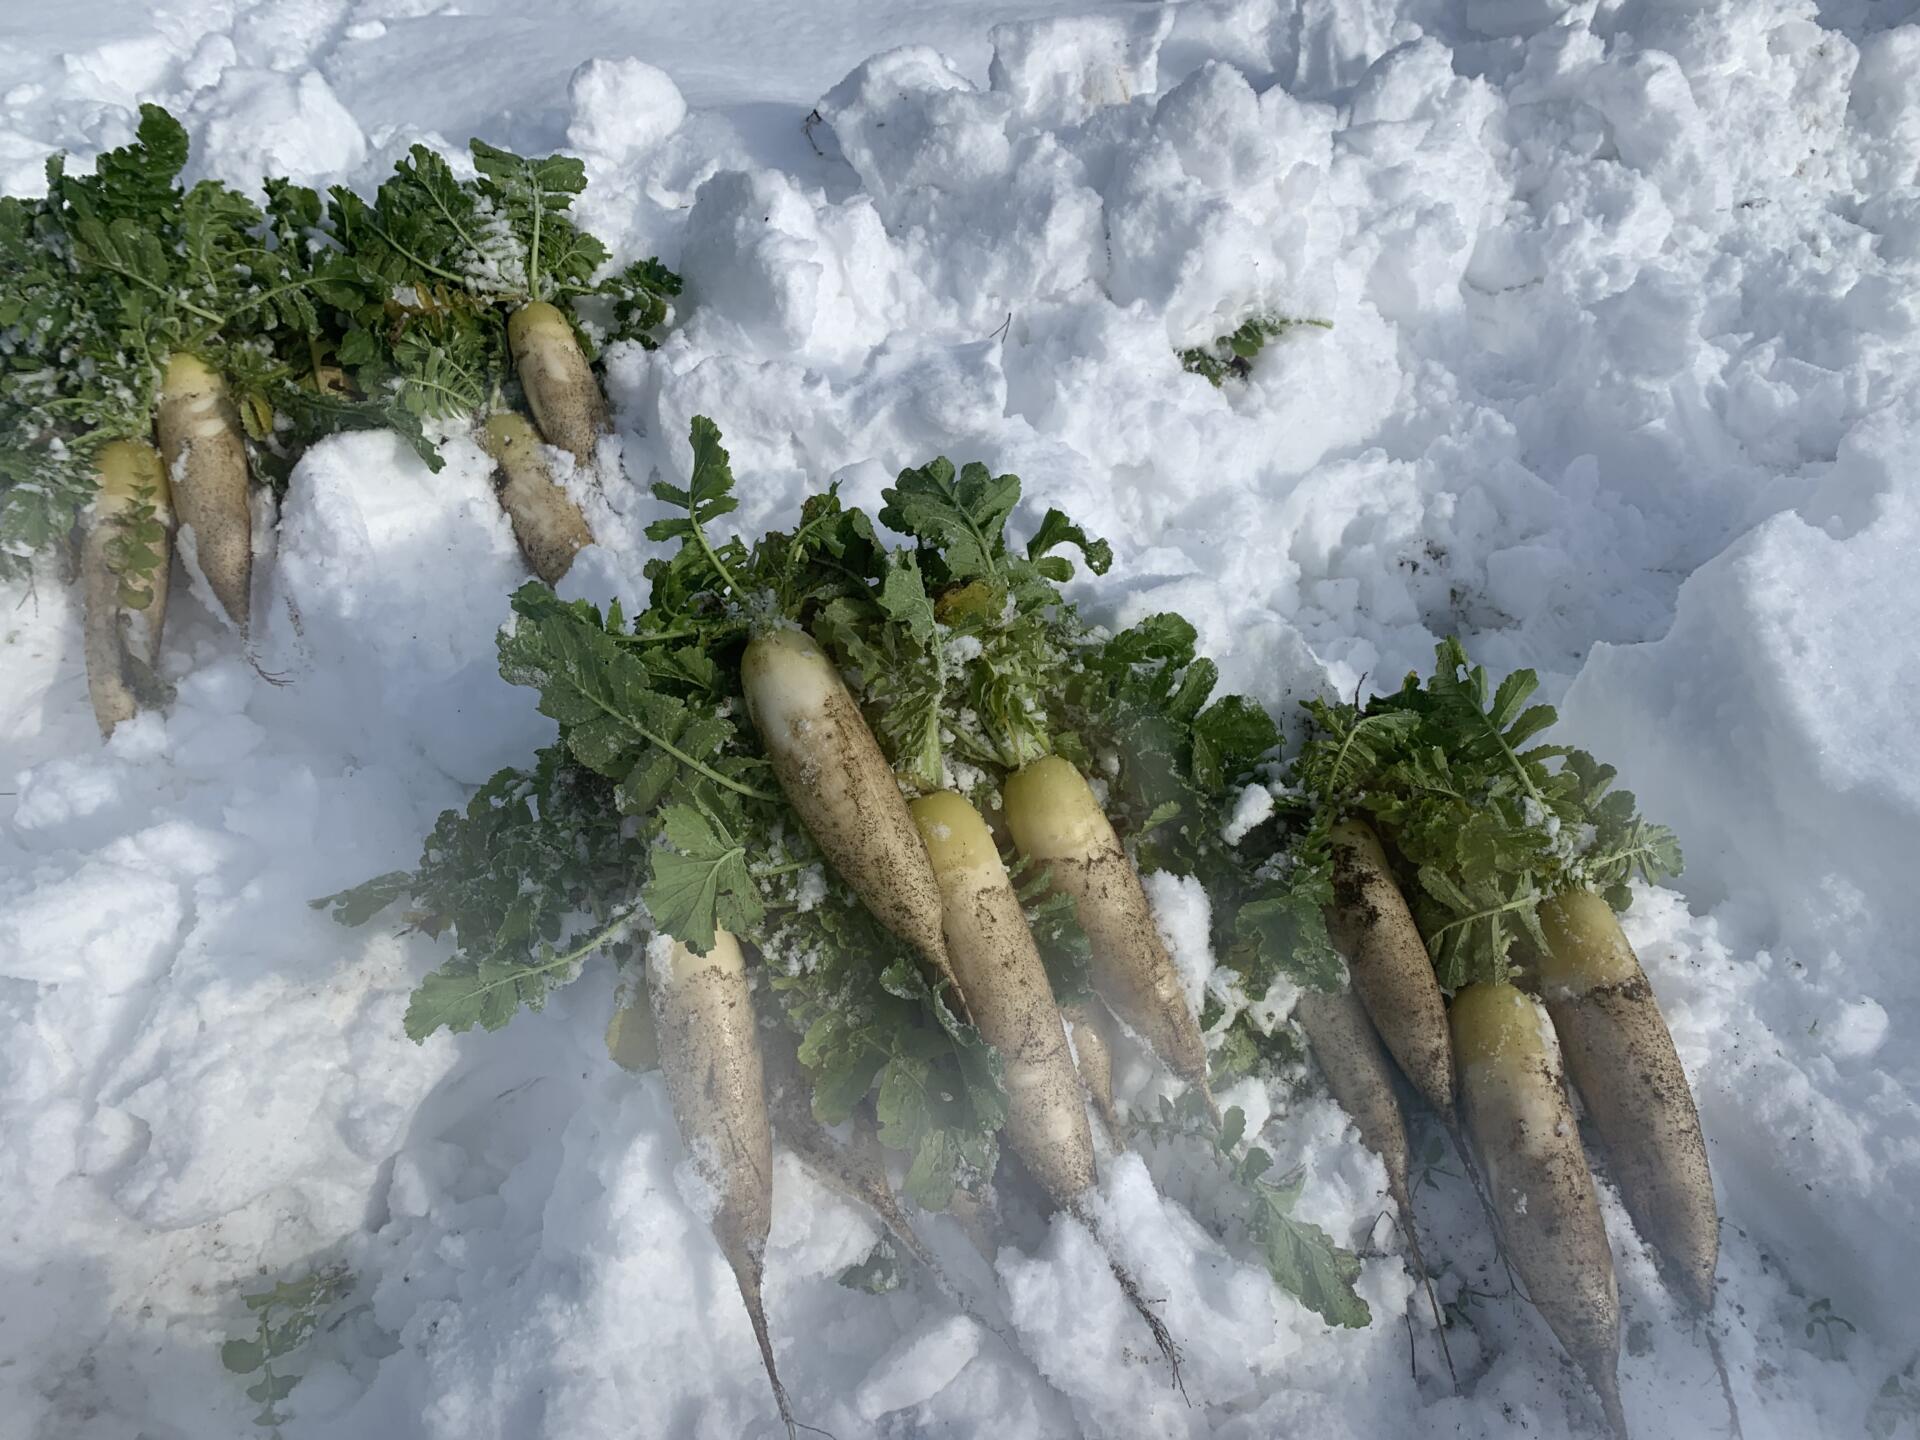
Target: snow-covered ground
point(1623, 384)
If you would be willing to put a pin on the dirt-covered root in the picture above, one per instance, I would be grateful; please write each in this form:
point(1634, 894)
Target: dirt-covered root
point(1387, 959)
point(997, 961)
point(1516, 1110)
point(205, 453)
point(710, 1053)
point(999, 968)
point(1360, 1078)
point(1163, 1340)
point(125, 563)
point(549, 526)
point(1090, 1031)
point(1056, 821)
point(1359, 1075)
point(833, 773)
point(566, 399)
point(1620, 1056)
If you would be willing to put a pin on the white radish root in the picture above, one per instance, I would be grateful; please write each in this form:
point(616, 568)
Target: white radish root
point(549, 526)
point(995, 957)
point(1360, 1078)
point(1056, 821)
point(833, 773)
point(1090, 1030)
point(1620, 1056)
point(206, 461)
point(566, 399)
point(1387, 960)
point(122, 640)
point(710, 1052)
point(1541, 1192)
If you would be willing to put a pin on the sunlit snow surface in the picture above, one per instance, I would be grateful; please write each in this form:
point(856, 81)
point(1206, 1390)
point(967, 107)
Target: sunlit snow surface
point(1621, 385)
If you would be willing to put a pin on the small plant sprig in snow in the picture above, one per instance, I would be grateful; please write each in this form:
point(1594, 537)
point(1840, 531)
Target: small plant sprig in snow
point(286, 1317)
point(1231, 356)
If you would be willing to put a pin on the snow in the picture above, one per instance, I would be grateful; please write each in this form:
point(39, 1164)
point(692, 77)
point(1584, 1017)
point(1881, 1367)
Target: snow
point(1619, 386)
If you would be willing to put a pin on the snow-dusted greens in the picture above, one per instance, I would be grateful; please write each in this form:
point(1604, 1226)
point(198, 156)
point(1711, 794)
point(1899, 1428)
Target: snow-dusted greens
point(1489, 824)
point(1514, 855)
point(455, 300)
point(104, 282)
point(135, 309)
point(992, 679)
point(1231, 356)
point(658, 806)
point(968, 663)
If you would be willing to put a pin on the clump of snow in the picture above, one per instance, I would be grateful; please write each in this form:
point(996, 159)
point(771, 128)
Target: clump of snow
point(919, 1367)
point(622, 109)
point(271, 123)
point(1252, 808)
point(1183, 914)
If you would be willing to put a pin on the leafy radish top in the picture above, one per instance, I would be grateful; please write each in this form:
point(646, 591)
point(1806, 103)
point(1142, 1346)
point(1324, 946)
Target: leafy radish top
point(1489, 822)
point(424, 275)
point(100, 282)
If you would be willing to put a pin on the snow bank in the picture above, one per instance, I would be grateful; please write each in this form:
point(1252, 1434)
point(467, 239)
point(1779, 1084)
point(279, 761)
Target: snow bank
point(1618, 386)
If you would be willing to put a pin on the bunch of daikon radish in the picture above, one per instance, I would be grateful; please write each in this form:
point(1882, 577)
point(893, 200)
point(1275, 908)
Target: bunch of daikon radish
point(164, 347)
point(865, 827)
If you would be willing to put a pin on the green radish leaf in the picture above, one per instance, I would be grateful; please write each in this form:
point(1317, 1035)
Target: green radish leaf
point(242, 1357)
point(360, 903)
point(1228, 737)
point(1233, 1127)
point(878, 1274)
point(701, 883)
point(959, 517)
point(1056, 530)
point(641, 295)
point(1054, 921)
point(1489, 823)
point(1230, 356)
point(1304, 1261)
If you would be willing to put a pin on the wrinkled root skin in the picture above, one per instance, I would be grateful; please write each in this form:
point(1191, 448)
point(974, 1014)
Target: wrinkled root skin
point(1387, 960)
